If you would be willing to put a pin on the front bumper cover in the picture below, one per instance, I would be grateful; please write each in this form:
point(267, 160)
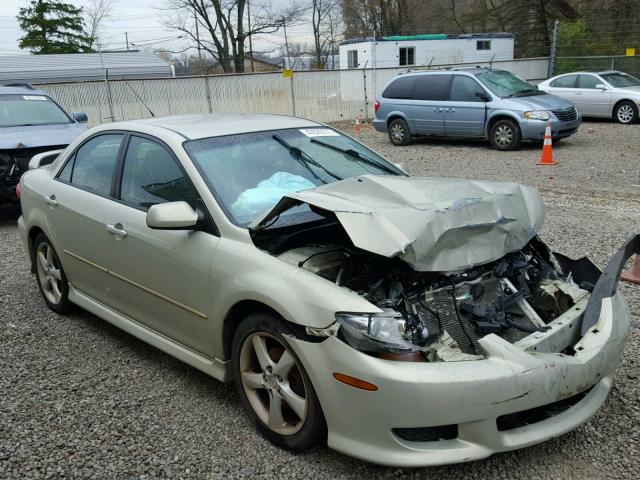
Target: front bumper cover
point(472, 395)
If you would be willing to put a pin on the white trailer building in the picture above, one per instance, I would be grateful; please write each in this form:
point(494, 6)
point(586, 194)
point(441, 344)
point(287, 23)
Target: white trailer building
point(422, 50)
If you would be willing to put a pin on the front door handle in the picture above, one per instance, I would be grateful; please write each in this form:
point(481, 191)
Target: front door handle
point(450, 110)
point(116, 230)
point(51, 200)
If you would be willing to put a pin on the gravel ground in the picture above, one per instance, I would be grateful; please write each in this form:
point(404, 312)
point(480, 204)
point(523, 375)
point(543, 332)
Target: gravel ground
point(81, 399)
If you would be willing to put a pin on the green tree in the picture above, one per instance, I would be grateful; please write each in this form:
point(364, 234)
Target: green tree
point(53, 26)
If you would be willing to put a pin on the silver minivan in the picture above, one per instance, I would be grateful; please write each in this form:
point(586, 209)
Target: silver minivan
point(471, 103)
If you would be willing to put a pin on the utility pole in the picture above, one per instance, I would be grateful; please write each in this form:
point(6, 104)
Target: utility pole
point(554, 49)
point(195, 19)
point(126, 38)
point(286, 43)
point(250, 35)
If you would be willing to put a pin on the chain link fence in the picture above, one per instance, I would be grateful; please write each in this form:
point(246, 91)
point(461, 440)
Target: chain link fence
point(628, 64)
point(324, 96)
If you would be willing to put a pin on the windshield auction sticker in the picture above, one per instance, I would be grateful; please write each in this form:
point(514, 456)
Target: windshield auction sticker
point(34, 97)
point(319, 132)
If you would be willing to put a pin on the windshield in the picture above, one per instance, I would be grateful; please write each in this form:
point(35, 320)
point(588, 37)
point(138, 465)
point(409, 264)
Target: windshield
point(249, 173)
point(27, 110)
point(506, 84)
point(621, 80)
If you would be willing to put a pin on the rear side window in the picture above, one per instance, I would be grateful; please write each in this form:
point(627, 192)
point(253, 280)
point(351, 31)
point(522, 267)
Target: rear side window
point(465, 89)
point(93, 164)
point(588, 81)
point(151, 176)
point(400, 88)
point(568, 81)
point(432, 87)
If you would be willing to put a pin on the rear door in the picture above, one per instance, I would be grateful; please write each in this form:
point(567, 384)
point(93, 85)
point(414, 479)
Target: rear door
point(590, 100)
point(77, 200)
point(564, 87)
point(465, 112)
point(429, 103)
point(162, 277)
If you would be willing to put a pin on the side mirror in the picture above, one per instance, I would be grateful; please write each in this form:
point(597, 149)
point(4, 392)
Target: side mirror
point(601, 86)
point(44, 158)
point(402, 166)
point(172, 216)
point(80, 117)
point(483, 96)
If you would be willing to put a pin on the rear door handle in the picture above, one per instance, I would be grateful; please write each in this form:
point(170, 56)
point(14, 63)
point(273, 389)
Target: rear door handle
point(439, 109)
point(51, 200)
point(116, 230)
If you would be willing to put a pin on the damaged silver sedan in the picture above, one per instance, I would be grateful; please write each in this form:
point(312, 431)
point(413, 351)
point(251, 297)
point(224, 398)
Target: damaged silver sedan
point(402, 320)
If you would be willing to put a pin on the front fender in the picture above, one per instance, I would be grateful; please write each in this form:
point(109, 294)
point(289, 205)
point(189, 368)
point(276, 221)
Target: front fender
point(242, 272)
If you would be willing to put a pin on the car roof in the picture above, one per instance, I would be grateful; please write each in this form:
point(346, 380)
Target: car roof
point(469, 70)
point(195, 127)
point(20, 89)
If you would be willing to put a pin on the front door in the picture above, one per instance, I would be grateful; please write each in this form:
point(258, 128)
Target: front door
point(162, 277)
point(592, 101)
point(465, 113)
point(77, 199)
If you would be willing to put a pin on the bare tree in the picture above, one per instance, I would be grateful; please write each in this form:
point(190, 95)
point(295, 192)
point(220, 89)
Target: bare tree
point(325, 15)
point(96, 12)
point(222, 26)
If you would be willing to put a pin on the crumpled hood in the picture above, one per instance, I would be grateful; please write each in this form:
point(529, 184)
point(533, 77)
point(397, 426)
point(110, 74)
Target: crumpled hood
point(39, 135)
point(433, 224)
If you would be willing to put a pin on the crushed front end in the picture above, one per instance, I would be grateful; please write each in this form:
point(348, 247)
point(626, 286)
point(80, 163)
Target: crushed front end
point(519, 346)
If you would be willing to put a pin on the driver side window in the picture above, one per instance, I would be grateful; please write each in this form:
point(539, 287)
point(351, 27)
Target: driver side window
point(151, 176)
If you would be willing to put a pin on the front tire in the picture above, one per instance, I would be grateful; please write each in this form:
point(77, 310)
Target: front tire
point(50, 275)
point(626, 112)
point(273, 386)
point(505, 135)
point(399, 133)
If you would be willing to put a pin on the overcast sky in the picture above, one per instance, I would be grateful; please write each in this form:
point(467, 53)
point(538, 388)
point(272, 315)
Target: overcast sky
point(143, 23)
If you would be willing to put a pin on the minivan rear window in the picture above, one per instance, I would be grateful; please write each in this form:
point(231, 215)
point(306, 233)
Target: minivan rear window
point(432, 87)
point(400, 88)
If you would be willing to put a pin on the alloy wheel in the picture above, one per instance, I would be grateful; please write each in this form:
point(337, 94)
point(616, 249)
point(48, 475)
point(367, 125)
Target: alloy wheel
point(273, 383)
point(49, 273)
point(398, 133)
point(625, 113)
point(503, 135)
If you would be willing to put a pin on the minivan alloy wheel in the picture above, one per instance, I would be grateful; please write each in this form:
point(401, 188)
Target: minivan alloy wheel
point(273, 383)
point(398, 133)
point(503, 135)
point(49, 273)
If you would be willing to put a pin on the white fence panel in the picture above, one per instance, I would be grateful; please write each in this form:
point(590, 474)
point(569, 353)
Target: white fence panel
point(325, 96)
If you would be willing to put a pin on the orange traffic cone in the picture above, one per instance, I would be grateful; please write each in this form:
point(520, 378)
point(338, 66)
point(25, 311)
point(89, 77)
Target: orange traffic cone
point(358, 126)
point(633, 274)
point(547, 149)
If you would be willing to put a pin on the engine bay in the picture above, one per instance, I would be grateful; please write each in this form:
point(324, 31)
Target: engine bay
point(442, 315)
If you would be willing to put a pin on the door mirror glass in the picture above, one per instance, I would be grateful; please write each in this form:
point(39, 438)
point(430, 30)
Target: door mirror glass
point(601, 86)
point(80, 117)
point(42, 159)
point(483, 96)
point(172, 216)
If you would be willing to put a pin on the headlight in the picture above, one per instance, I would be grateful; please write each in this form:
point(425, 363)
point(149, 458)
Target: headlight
point(375, 332)
point(538, 115)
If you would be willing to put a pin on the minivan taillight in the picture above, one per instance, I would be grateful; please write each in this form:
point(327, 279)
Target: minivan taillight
point(376, 106)
point(18, 189)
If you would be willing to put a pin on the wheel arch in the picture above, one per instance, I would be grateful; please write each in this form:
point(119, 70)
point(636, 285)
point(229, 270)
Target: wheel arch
point(31, 236)
point(497, 117)
point(617, 104)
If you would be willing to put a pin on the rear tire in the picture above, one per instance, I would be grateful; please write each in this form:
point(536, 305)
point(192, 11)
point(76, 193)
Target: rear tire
point(626, 112)
point(50, 275)
point(399, 133)
point(505, 135)
point(275, 390)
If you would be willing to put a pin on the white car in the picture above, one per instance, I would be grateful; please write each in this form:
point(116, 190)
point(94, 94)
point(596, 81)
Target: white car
point(607, 94)
point(403, 320)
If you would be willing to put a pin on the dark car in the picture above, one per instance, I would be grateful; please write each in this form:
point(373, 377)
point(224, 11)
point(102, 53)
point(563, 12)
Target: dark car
point(31, 122)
